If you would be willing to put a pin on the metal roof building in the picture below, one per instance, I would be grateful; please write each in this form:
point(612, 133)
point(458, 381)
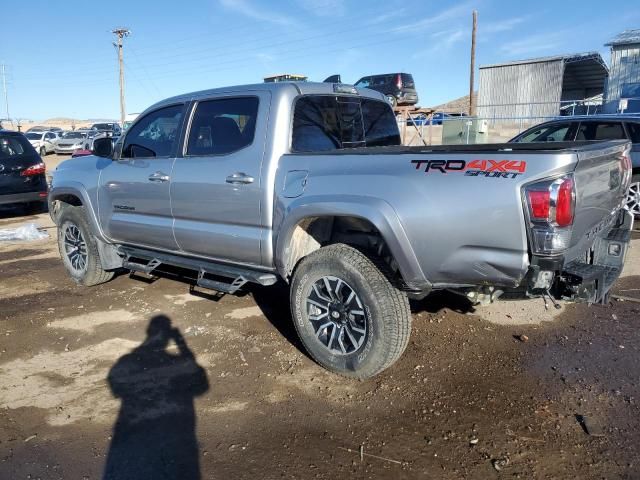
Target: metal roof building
point(624, 79)
point(536, 87)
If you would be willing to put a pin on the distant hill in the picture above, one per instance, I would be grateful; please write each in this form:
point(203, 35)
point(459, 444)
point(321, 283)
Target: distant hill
point(459, 105)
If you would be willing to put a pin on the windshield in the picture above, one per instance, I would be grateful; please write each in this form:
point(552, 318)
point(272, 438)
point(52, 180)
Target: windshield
point(102, 126)
point(33, 135)
point(71, 135)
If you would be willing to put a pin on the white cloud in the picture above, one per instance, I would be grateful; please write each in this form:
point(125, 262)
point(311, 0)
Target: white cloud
point(324, 8)
point(500, 25)
point(459, 12)
point(385, 17)
point(245, 8)
point(442, 42)
point(533, 44)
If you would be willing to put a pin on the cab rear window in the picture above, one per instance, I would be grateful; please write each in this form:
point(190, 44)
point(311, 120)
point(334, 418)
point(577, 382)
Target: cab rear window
point(326, 122)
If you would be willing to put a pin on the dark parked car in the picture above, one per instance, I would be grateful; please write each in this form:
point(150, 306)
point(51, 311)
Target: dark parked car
point(114, 128)
point(594, 127)
point(22, 172)
point(399, 88)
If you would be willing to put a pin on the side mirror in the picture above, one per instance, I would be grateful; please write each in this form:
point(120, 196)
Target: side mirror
point(103, 147)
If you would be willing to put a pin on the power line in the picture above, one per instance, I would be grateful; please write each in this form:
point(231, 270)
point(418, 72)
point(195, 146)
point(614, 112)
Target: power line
point(121, 33)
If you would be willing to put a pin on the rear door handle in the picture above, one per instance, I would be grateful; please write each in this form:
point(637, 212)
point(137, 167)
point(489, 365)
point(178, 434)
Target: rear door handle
point(159, 177)
point(240, 177)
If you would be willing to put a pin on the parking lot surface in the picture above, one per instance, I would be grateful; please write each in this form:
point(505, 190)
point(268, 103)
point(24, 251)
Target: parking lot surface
point(140, 378)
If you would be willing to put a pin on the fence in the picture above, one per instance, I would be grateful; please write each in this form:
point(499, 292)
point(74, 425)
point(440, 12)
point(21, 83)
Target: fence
point(495, 123)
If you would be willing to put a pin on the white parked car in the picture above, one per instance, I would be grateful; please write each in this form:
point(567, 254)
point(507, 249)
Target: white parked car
point(70, 142)
point(43, 142)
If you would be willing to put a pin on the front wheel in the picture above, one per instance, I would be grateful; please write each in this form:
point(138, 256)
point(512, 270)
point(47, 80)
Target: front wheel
point(78, 248)
point(349, 316)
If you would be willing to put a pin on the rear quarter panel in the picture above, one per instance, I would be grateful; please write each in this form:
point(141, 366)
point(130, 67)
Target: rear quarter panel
point(461, 229)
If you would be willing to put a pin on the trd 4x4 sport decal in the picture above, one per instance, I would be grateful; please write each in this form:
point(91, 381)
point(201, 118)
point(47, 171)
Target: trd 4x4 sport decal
point(474, 168)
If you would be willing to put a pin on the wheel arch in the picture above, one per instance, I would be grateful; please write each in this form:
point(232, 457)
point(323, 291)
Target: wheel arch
point(75, 195)
point(307, 227)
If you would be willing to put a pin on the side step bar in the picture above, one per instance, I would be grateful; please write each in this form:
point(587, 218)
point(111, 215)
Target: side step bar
point(238, 276)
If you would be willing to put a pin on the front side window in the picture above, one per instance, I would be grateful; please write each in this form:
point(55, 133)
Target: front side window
point(547, 133)
point(222, 126)
point(363, 82)
point(601, 131)
point(634, 131)
point(155, 135)
point(325, 123)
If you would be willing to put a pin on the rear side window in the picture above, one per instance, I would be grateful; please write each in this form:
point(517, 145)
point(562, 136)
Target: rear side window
point(12, 146)
point(155, 135)
point(634, 132)
point(547, 133)
point(324, 123)
point(222, 126)
point(601, 131)
point(380, 126)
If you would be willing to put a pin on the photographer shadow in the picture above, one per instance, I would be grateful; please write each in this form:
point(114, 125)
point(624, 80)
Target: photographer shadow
point(155, 433)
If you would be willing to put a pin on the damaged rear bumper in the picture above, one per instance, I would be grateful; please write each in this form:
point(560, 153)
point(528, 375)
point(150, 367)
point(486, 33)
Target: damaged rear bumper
point(590, 277)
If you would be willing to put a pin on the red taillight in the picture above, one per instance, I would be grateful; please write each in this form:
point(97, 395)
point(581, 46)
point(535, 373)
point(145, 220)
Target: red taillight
point(399, 81)
point(565, 203)
point(539, 202)
point(552, 202)
point(37, 169)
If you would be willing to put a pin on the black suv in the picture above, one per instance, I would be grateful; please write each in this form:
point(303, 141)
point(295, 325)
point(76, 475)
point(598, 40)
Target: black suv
point(399, 88)
point(22, 172)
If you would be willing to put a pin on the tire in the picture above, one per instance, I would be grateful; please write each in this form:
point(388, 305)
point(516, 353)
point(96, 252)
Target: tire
point(43, 152)
point(90, 271)
point(633, 196)
point(378, 306)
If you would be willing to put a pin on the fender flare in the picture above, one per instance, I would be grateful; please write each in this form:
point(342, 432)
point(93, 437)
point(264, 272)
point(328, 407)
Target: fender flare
point(78, 190)
point(376, 211)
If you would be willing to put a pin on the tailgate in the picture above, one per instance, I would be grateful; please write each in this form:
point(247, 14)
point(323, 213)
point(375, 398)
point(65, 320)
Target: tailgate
point(601, 184)
point(11, 180)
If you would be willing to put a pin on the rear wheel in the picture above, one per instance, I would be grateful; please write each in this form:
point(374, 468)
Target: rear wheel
point(78, 248)
point(349, 316)
point(633, 196)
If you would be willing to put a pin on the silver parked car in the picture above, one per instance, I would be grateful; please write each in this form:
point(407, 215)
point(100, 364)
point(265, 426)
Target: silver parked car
point(70, 142)
point(43, 142)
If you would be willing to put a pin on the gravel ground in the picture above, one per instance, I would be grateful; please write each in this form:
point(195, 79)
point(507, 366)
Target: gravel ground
point(139, 379)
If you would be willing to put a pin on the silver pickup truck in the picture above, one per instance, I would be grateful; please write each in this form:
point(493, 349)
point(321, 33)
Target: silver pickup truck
point(308, 183)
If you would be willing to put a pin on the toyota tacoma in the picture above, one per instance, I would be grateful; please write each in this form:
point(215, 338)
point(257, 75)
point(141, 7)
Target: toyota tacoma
point(307, 183)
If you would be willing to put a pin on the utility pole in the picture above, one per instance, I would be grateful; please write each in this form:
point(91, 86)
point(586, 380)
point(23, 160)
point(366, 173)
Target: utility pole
point(472, 107)
point(121, 33)
point(4, 88)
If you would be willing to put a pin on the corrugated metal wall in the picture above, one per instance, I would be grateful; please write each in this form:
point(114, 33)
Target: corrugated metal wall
point(529, 83)
point(625, 68)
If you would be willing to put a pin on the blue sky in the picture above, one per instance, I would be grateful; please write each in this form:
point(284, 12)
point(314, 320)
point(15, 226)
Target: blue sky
point(61, 61)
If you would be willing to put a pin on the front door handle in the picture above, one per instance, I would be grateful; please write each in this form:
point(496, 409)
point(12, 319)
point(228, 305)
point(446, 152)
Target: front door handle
point(159, 177)
point(240, 177)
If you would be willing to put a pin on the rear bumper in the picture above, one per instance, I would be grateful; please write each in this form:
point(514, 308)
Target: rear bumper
point(590, 277)
point(23, 197)
point(408, 98)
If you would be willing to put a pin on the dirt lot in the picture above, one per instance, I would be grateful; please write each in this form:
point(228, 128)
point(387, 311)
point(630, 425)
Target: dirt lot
point(95, 382)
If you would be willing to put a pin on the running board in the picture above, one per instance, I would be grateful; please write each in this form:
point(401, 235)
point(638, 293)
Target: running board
point(239, 275)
